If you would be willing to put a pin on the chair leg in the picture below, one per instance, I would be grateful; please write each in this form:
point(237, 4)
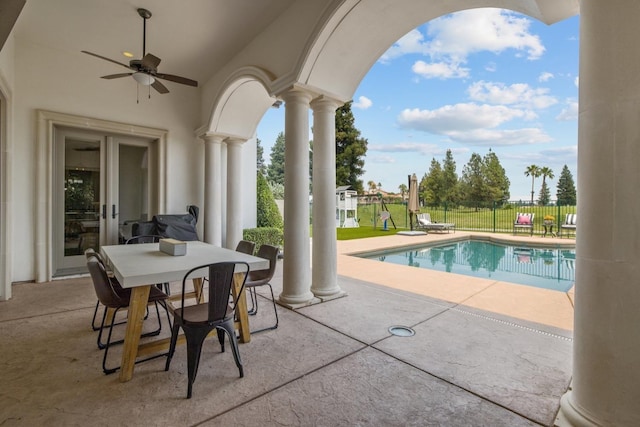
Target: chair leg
point(172, 346)
point(195, 337)
point(95, 314)
point(275, 311)
point(254, 301)
point(221, 340)
point(229, 329)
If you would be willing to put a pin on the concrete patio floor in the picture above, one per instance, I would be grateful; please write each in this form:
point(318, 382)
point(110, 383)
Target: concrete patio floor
point(485, 353)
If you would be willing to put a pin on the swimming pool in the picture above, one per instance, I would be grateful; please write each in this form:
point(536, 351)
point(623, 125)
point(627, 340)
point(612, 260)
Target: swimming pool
point(549, 268)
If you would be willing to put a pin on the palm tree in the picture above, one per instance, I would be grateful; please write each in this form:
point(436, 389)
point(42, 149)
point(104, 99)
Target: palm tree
point(403, 190)
point(533, 171)
point(546, 172)
point(372, 186)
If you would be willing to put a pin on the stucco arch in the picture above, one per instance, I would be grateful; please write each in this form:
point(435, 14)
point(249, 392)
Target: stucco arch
point(241, 103)
point(359, 32)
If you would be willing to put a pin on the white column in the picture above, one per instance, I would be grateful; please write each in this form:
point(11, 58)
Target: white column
point(234, 192)
point(324, 270)
point(296, 279)
point(606, 348)
point(212, 189)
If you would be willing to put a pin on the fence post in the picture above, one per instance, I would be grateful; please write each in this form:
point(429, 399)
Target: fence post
point(558, 216)
point(494, 216)
point(374, 216)
point(445, 212)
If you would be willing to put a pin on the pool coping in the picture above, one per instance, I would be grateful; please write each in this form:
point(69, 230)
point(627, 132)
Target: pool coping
point(537, 305)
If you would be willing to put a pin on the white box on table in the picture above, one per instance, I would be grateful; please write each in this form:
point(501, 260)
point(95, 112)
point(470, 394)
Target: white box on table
point(173, 247)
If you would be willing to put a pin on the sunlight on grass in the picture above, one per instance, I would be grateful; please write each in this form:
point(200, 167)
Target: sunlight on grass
point(365, 231)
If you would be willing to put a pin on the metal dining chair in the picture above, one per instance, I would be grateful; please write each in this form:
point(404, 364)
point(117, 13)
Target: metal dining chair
point(218, 312)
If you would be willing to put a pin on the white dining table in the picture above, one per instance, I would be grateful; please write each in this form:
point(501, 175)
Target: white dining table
point(141, 266)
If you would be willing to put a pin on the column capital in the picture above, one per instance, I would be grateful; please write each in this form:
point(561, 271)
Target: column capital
point(297, 94)
point(235, 141)
point(327, 103)
point(211, 137)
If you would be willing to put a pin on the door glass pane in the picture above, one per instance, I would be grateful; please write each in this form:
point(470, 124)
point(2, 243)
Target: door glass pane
point(81, 196)
point(133, 189)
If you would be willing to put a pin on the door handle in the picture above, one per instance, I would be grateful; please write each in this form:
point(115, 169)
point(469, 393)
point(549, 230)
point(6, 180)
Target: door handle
point(113, 211)
point(104, 211)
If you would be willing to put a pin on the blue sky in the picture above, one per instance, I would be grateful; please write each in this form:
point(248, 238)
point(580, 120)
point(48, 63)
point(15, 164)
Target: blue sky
point(471, 81)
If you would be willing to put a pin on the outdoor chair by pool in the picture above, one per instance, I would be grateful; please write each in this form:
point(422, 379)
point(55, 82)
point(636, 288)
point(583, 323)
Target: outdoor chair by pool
point(218, 312)
point(425, 222)
point(524, 221)
point(570, 222)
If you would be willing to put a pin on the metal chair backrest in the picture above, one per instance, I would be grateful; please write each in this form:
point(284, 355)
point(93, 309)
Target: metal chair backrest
point(144, 238)
point(221, 277)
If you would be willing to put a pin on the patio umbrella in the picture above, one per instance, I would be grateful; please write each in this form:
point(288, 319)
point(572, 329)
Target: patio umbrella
point(413, 198)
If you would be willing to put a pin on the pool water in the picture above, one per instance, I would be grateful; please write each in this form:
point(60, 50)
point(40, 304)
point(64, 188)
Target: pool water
point(550, 268)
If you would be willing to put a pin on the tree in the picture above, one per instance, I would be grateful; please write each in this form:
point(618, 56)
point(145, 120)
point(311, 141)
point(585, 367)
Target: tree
point(431, 185)
point(262, 168)
point(449, 184)
point(275, 170)
point(545, 195)
point(566, 189)
point(350, 150)
point(472, 180)
point(267, 210)
point(403, 190)
point(372, 186)
point(495, 179)
point(533, 171)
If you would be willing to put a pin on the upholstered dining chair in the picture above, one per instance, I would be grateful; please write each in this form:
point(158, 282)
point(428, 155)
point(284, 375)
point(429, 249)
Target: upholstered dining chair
point(259, 278)
point(111, 298)
point(246, 247)
point(217, 312)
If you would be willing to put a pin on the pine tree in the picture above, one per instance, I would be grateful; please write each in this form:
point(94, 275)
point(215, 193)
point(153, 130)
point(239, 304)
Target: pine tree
point(262, 168)
point(545, 196)
point(275, 170)
point(431, 185)
point(472, 181)
point(268, 214)
point(566, 189)
point(449, 185)
point(350, 150)
point(495, 179)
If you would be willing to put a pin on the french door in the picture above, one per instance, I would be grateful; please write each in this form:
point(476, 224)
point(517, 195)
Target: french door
point(101, 186)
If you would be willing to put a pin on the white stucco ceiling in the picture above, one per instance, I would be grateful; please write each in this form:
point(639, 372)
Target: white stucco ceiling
point(193, 38)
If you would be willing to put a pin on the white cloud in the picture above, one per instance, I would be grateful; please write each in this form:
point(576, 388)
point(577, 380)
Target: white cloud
point(458, 117)
point(454, 37)
point(576, 81)
point(405, 147)
point(496, 137)
point(459, 34)
point(381, 159)
point(363, 103)
point(441, 70)
point(518, 94)
point(412, 42)
point(545, 77)
point(569, 113)
point(491, 67)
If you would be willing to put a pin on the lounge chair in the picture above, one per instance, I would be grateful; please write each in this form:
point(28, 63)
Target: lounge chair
point(424, 222)
point(570, 221)
point(524, 221)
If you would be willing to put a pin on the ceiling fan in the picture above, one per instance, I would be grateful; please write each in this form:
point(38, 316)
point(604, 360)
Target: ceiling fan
point(145, 70)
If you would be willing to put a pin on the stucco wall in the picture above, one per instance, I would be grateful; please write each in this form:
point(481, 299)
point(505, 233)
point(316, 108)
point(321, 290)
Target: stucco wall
point(69, 82)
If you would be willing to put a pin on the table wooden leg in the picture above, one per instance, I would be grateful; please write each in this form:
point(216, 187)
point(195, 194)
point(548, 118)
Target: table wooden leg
point(198, 285)
point(241, 308)
point(135, 318)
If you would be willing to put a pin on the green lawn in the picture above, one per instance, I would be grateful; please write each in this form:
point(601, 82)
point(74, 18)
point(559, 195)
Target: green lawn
point(499, 220)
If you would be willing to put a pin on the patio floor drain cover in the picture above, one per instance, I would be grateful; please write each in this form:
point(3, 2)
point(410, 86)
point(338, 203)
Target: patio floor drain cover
point(402, 331)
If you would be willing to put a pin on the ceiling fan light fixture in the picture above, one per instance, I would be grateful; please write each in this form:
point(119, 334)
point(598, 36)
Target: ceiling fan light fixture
point(143, 78)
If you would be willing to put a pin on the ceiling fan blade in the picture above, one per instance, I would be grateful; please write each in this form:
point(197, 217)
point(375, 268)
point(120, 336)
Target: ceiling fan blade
point(116, 76)
point(107, 59)
point(177, 79)
point(150, 62)
point(159, 87)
